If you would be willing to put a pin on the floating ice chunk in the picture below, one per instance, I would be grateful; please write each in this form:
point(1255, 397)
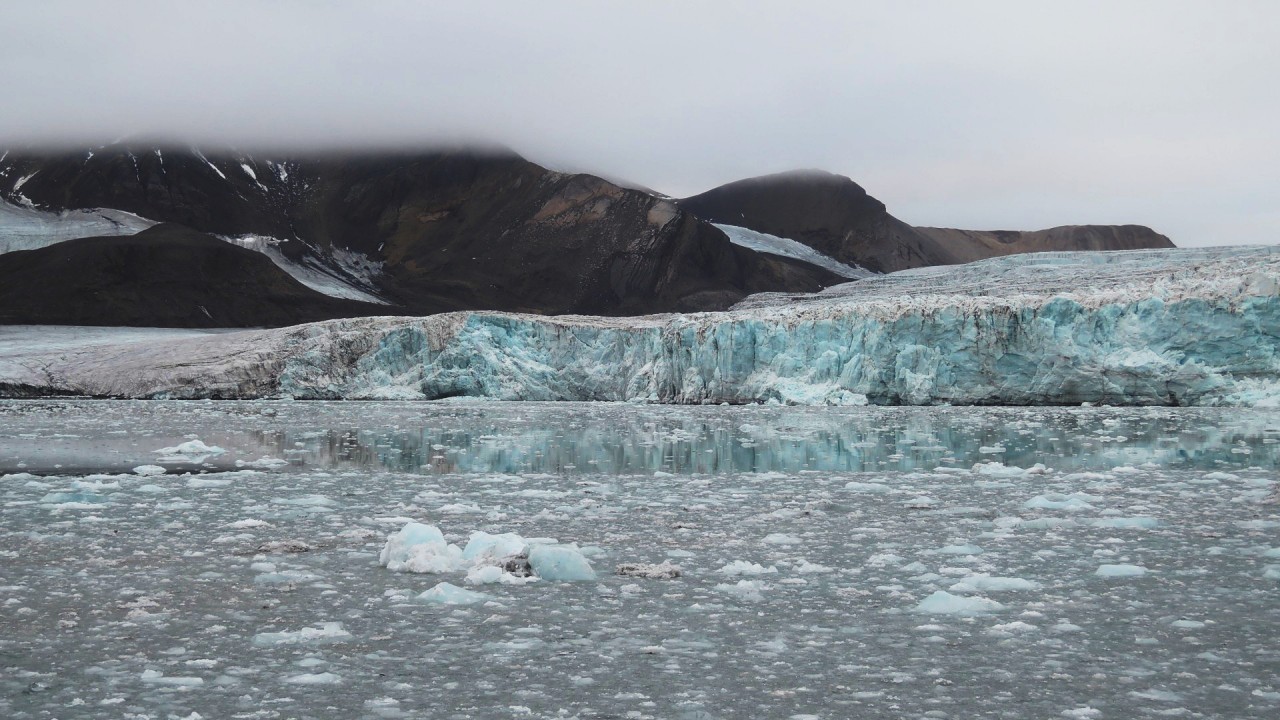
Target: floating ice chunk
point(155, 677)
point(1187, 624)
point(1013, 628)
point(1272, 572)
point(1160, 695)
point(420, 548)
point(781, 539)
point(1046, 523)
point(1000, 470)
point(305, 501)
point(489, 574)
point(867, 487)
point(449, 594)
point(285, 576)
point(325, 633)
point(1057, 501)
point(149, 470)
point(1082, 713)
point(989, 583)
point(749, 590)
point(807, 568)
point(190, 451)
point(1120, 570)
point(742, 567)
point(248, 523)
point(485, 548)
point(664, 570)
point(944, 603)
point(966, 549)
point(324, 678)
point(560, 563)
point(1127, 523)
point(263, 463)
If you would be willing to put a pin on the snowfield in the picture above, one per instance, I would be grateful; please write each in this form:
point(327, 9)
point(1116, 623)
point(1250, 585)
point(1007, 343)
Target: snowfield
point(1170, 327)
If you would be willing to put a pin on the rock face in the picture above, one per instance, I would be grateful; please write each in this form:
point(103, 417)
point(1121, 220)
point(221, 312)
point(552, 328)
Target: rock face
point(427, 231)
point(830, 213)
point(835, 216)
point(980, 244)
point(165, 276)
point(1174, 327)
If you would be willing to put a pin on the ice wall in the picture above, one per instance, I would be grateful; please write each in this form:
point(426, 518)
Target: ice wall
point(1148, 327)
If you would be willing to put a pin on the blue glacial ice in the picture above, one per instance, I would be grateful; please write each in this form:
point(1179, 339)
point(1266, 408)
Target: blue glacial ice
point(560, 563)
point(1169, 327)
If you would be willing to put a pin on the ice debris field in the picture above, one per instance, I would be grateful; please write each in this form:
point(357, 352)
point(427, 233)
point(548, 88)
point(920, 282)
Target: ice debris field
point(1168, 327)
point(493, 560)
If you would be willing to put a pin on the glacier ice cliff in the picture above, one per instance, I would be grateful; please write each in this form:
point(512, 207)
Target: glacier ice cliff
point(1159, 327)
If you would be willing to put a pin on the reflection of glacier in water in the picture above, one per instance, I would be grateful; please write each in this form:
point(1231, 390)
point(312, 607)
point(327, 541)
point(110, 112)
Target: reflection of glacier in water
point(620, 438)
point(623, 439)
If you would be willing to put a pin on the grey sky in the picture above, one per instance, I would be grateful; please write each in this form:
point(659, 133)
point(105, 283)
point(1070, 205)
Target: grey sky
point(988, 115)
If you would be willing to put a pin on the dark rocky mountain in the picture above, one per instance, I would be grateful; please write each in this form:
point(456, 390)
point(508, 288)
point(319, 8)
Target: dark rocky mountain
point(835, 216)
point(429, 231)
point(978, 244)
point(165, 276)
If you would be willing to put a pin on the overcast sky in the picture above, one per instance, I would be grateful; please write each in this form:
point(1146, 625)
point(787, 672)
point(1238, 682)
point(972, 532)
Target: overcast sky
point(986, 115)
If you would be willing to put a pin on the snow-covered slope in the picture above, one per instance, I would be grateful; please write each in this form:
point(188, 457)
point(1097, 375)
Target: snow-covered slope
point(24, 228)
point(1145, 327)
point(774, 245)
point(347, 275)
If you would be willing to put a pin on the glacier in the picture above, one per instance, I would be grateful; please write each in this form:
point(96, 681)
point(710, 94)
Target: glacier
point(1158, 327)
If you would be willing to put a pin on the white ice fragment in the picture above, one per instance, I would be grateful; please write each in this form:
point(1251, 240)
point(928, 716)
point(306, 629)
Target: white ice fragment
point(449, 594)
point(324, 678)
point(944, 603)
point(966, 549)
point(485, 548)
point(155, 677)
point(560, 563)
point(420, 548)
point(1057, 501)
point(749, 590)
point(149, 470)
point(989, 583)
point(324, 633)
point(742, 567)
point(1000, 470)
point(1120, 570)
point(781, 539)
point(191, 448)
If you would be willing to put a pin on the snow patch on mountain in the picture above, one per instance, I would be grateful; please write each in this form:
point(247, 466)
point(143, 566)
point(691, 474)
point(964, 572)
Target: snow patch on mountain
point(347, 275)
point(26, 228)
point(774, 245)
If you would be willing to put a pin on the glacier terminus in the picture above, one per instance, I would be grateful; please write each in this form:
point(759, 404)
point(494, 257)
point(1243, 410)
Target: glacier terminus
point(1147, 327)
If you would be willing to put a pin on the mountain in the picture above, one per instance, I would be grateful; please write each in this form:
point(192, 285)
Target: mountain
point(164, 276)
point(424, 231)
point(835, 216)
point(979, 244)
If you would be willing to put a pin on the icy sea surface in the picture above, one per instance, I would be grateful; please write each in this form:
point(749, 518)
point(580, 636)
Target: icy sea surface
point(221, 560)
